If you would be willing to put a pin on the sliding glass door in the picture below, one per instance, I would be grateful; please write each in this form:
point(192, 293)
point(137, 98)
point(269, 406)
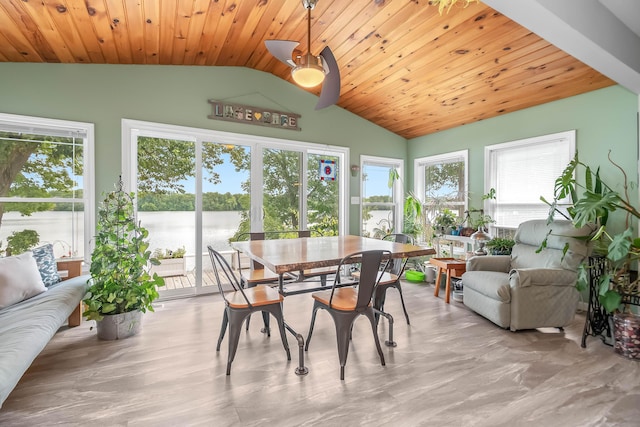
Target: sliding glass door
point(197, 188)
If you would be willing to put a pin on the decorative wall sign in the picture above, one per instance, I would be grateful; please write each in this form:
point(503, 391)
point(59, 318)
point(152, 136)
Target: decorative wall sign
point(327, 170)
point(232, 112)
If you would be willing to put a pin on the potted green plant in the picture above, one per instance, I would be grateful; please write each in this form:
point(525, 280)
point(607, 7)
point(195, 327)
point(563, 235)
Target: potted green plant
point(120, 287)
point(500, 246)
point(412, 209)
point(444, 221)
point(621, 249)
point(170, 262)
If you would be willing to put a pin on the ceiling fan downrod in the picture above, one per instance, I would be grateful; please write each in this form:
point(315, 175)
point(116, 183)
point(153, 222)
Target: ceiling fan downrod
point(309, 71)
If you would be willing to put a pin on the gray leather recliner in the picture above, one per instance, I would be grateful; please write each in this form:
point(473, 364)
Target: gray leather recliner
point(527, 290)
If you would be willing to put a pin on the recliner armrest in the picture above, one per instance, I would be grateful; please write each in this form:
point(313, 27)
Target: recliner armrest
point(500, 263)
point(524, 277)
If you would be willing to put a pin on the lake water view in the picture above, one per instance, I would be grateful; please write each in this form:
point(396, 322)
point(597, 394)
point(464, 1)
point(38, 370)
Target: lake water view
point(167, 230)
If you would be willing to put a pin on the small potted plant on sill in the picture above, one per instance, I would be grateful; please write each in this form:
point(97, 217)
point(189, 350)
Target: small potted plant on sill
point(445, 221)
point(618, 292)
point(171, 263)
point(120, 287)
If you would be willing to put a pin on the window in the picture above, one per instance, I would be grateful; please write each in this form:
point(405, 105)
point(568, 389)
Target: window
point(522, 171)
point(441, 183)
point(46, 185)
point(381, 205)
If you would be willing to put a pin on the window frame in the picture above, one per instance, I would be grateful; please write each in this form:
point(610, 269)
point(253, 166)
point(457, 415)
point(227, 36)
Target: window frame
point(419, 179)
point(490, 175)
point(58, 127)
point(397, 189)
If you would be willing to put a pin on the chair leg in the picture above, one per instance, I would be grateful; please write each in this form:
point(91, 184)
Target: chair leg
point(236, 317)
point(370, 316)
point(406, 315)
point(316, 306)
point(343, 334)
point(378, 300)
point(265, 320)
point(223, 329)
point(276, 311)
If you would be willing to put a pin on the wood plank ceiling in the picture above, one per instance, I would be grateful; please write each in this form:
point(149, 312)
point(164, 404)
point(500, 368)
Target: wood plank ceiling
point(403, 66)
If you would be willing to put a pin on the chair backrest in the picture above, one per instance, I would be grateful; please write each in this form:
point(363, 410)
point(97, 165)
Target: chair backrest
point(531, 234)
point(222, 270)
point(370, 262)
point(398, 264)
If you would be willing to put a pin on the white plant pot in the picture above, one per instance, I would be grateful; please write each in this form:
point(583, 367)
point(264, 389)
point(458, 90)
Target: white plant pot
point(170, 267)
point(430, 274)
point(119, 326)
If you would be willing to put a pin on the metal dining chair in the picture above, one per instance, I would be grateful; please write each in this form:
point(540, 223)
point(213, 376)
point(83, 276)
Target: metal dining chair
point(390, 277)
point(258, 275)
point(241, 303)
point(346, 304)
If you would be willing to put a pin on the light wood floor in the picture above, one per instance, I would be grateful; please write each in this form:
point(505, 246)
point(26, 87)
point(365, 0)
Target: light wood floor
point(450, 368)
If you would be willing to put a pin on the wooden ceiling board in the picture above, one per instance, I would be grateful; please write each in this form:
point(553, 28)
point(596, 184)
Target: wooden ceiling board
point(403, 65)
point(81, 21)
point(151, 19)
point(66, 27)
point(118, 24)
point(100, 29)
point(376, 74)
point(260, 57)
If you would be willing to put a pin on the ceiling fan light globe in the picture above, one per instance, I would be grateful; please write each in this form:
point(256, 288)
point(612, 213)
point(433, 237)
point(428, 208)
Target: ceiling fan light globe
point(308, 71)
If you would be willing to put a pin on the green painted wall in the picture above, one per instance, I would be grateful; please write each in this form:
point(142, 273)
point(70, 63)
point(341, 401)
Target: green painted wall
point(604, 119)
point(104, 94)
point(177, 95)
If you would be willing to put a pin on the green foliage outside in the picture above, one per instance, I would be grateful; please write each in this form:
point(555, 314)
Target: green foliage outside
point(160, 188)
point(21, 241)
point(29, 169)
point(37, 166)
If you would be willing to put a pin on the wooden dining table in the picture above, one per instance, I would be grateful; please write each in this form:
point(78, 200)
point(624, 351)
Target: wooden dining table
point(284, 256)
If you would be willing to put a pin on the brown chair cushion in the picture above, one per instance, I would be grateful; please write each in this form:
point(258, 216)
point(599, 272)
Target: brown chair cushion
point(257, 296)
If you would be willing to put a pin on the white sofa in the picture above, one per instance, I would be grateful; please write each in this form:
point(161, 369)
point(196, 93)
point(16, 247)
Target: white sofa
point(27, 326)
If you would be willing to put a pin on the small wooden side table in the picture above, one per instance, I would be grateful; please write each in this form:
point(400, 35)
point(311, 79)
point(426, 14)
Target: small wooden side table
point(71, 267)
point(453, 267)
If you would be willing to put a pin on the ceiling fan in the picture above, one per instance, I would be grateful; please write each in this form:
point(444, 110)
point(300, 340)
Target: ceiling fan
point(309, 70)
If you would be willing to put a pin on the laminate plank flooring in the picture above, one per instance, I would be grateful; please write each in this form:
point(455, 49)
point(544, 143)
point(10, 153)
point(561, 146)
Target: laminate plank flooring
point(451, 368)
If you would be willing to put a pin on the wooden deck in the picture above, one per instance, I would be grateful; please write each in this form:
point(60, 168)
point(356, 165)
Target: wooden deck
point(189, 281)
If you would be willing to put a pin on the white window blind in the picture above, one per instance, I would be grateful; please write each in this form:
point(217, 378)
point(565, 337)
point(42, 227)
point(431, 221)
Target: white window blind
point(522, 171)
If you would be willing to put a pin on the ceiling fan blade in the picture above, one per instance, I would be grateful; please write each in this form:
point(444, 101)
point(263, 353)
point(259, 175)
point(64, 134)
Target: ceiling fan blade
point(330, 92)
point(282, 49)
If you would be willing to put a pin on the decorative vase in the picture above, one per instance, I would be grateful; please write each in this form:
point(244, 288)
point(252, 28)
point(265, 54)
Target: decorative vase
point(626, 332)
point(119, 326)
point(430, 274)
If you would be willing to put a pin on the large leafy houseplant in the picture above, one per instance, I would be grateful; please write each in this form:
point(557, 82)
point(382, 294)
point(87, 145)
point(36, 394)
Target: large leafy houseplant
point(593, 206)
point(412, 209)
point(120, 280)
